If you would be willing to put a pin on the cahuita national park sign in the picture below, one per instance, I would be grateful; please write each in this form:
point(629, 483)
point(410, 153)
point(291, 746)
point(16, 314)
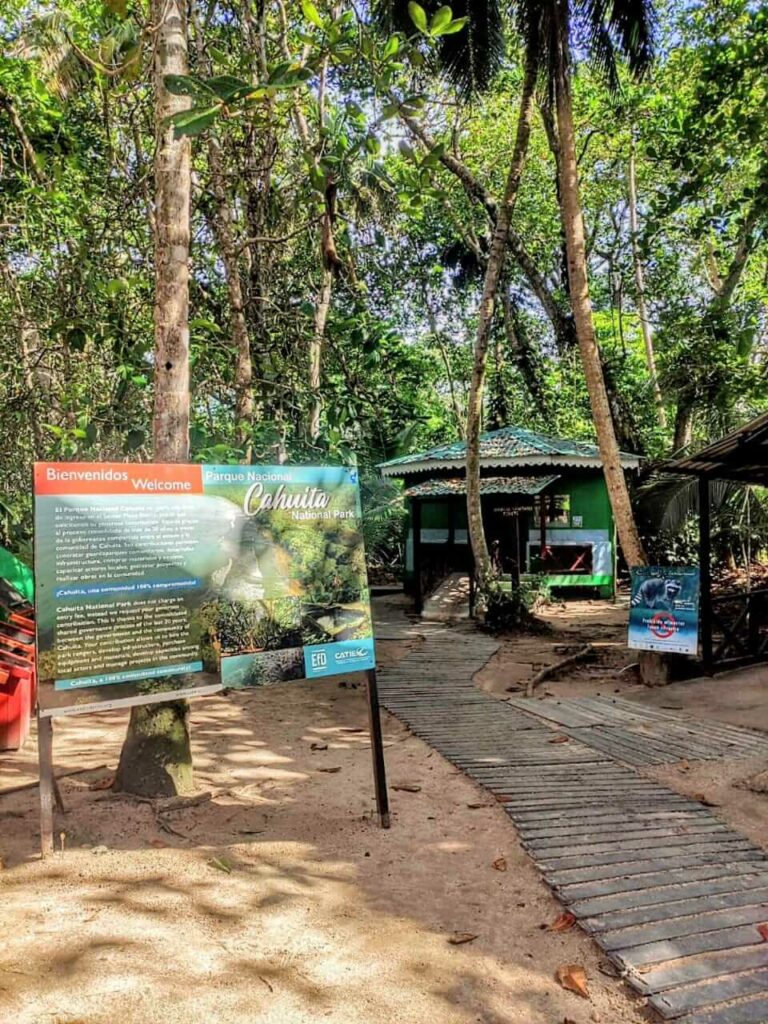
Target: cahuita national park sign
point(158, 581)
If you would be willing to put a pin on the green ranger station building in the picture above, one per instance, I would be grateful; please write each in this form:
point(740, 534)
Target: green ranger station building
point(545, 510)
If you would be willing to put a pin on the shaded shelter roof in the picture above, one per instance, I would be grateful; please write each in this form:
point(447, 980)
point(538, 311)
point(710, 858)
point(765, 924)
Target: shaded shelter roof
point(521, 485)
point(513, 447)
point(741, 456)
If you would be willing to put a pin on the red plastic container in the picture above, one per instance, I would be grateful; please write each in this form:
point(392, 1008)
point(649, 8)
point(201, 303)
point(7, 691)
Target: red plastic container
point(15, 703)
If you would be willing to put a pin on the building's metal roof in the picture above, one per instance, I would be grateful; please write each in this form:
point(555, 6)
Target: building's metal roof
point(741, 456)
point(508, 447)
point(522, 485)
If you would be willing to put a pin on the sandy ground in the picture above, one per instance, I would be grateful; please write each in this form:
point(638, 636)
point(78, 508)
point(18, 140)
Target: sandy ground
point(568, 626)
point(740, 698)
point(280, 900)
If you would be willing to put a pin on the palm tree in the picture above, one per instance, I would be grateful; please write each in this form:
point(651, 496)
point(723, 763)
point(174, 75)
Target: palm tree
point(605, 28)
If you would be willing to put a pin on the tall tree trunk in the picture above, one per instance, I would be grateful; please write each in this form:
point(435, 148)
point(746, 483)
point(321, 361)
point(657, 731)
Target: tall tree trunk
point(642, 309)
point(573, 225)
point(485, 318)
point(322, 308)
point(683, 423)
point(156, 758)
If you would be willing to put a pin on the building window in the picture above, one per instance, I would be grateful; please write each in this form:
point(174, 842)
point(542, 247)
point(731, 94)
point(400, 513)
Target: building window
point(557, 509)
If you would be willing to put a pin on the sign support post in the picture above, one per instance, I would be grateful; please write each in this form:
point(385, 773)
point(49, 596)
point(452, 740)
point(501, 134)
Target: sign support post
point(45, 755)
point(377, 747)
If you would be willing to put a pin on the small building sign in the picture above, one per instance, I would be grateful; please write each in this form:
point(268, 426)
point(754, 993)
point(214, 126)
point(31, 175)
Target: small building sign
point(664, 609)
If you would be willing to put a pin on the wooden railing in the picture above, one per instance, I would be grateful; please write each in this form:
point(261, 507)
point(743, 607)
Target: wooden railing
point(739, 628)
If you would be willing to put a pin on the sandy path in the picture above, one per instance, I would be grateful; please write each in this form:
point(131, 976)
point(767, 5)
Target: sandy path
point(324, 916)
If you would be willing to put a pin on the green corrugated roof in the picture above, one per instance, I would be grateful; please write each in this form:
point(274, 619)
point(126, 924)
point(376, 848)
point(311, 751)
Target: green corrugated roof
point(513, 443)
point(526, 485)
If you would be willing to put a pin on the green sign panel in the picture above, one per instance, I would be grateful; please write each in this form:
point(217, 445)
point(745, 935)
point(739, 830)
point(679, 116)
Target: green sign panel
point(158, 581)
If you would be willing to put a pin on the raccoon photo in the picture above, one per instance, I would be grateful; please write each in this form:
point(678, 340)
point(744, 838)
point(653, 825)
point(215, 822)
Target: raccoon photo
point(657, 593)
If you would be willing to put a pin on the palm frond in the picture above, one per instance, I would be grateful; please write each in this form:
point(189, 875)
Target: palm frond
point(46, 39)
point(469, 58)
point(669, 502)
point(623, 26)
point(473, 56)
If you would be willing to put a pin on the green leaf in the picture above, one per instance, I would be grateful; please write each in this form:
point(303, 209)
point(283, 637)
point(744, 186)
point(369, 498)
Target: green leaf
point(200, 323)
point(116, 286)
point(373, 145)
point(418, 15)
point(393, 45)
point(134, 439)
point(311, 13)
point(221, 865)
point(228, 88)
point(76, 338)
point(440, 20)
point(217, 55)
point(117, 7)
point(195, 121)
point(454, 27)
point(185, 85)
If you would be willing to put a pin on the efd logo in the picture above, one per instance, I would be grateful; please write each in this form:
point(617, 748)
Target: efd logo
point(319, 659)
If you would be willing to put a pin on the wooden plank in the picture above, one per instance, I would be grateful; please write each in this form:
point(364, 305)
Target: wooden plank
point(676, 1002)
point(608, 866)
point(633, 832)
point(708, 902)
point(724, 845)
point(726, 857)
point(615, 835)
point(663, 893)
point(655, 810)
point(688, 945)
point(614, 823)
point(677, 973)
point(751, 1011)
point(679, 928)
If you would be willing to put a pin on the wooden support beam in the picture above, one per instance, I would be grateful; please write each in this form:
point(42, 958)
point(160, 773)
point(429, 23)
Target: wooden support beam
point(705, 572)
point(416, 526)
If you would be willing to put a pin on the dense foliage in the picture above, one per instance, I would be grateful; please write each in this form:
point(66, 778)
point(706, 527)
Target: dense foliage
point(323, 197)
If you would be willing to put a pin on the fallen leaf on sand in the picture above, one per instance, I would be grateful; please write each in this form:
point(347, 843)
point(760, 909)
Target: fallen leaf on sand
point(106, 783)
point(573, 978)
point(476, 807)
point(500, 864)
point(763, 929)
point(221, 865)
point(318, 746)
point(685, 765)
point(351, 728)
point(502, 798)
point(330, 771)
point(158, 844)
point(563, 923)
point(459, 938)
point(559, 739)
point(407, 787)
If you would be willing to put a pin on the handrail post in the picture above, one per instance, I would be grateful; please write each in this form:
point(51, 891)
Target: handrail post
point(705, 573)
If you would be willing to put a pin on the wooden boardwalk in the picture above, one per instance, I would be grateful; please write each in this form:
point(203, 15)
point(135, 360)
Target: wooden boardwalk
point(671, 893)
